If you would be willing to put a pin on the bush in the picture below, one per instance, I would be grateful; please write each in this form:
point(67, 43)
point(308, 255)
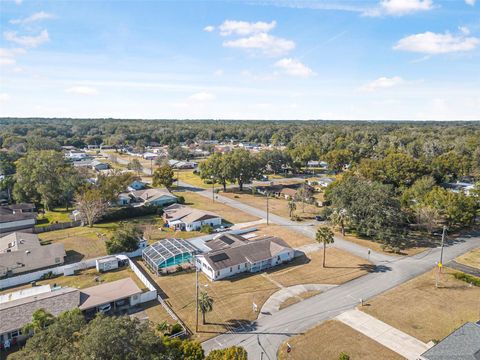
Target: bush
point(343, 356)
point(467, 278)
point(175, 329)
point(206, 229)
point(124, 239)
point(181, 199)
point(124, 213)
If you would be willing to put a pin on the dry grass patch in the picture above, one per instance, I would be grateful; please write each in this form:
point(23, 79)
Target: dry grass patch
point(341, 267)
point(471, 259)
point(156, 312)
point(328, 340)
point(233, 299)
point(85, 278)
point(377, 247)
point(298, 298)
point(277, 206)
point(291, 237)
point(424, 311)
point(228, 213)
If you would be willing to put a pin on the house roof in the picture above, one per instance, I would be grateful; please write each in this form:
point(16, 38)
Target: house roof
point(34, 258)
point(225, 240)
point(187, 214)
point(462, 344)
point(18, 241)
point(22, 206)
point(149, 195)
point(18, 313)
point(6, 217)
point(249, 251)
point(107, 292)
point(289, 192)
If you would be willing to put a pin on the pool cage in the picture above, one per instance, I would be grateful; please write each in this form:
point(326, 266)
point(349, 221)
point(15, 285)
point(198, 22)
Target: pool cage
point(168, 253)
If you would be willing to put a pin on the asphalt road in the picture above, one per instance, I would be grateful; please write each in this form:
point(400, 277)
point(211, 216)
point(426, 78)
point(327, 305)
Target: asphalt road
point(266, 334)
point(263, 337)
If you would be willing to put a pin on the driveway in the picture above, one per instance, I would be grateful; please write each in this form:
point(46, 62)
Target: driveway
point(390, 337)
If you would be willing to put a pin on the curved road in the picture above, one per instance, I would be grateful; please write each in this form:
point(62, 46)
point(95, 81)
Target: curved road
point(264, 336)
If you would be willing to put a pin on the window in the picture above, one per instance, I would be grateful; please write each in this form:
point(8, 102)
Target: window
point(278, 258)
point(238, 267)
point(231, 269)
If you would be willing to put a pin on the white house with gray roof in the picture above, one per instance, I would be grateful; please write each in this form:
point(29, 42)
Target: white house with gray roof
point(233, 254)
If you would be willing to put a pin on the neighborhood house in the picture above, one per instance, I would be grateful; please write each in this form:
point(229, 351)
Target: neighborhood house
point(17, 217)
point(181, 217)
point(22, 252)
point(233, 254)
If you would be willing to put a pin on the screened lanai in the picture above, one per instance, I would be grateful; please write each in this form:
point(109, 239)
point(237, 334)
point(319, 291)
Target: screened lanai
point(167, 253)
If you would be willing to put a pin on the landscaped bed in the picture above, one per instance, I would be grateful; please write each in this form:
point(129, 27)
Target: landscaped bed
point(328, 340)
point(424, 311)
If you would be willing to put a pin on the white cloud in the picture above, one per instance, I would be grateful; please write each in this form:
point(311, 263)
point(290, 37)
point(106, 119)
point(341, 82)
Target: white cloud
point(209, 28)
point(202, 96)
point(465, 30)
point(244, 28)
point(382, 83)
point(4, 97)
point(399, 7)
point(294, 67)
point(268, 44)
point(434, 43)
point(42, 15)
point(28, 41)
point(18, 2)
point(218, 72)
point(7, 61)
point(82, 90)
point(470, 2)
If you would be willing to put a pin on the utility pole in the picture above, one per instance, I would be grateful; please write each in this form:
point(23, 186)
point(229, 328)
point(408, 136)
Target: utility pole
point(268, 195)
point(443, 242)
point(213, 190)
point(151, 166)
point(178, 177)
point(196, 295)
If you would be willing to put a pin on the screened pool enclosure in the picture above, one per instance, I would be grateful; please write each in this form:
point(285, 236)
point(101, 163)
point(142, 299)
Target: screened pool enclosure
point(168, 253)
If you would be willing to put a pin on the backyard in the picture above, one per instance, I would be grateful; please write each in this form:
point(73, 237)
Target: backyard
point(424, 311)
point(85, 278)
point(291, 237)
point(331, 338)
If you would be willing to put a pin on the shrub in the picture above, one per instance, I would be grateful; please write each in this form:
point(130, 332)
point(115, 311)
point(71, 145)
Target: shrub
point(176, 328)
point(467, 278)
point(206, 229)
point(124, 213)
point(181, 199)
point(343, 356)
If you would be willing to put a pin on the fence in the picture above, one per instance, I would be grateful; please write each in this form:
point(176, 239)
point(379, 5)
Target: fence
point(174, 316)
point(57, 226)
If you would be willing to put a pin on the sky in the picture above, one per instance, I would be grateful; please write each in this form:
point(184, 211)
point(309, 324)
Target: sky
point(278, 59)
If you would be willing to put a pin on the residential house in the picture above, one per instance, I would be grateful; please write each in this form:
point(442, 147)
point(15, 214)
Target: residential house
point(181, 217)
point(98, 165)
point(462, 344)
point(288, 193)
point(323, 182)
point(137, 185)
point(124, 199)
point(465, 187)
point(17, 308)
point(154, 196)
point(75, 155)
point(176, 164)
point(233, 254)
point(22, 252)
point(17, 217)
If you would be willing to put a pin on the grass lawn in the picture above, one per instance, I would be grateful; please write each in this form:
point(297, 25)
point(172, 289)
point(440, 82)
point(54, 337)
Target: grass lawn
point(228, 213)
point(331, 338)
point(156, 313)
point(424, 311)
point(54, 216)
point(276, 206)
point(232, 299)
point(291, 237)
point(298, 298)
point(471, 259)
point(85, 278)
point(341, 267)
point(375, 246)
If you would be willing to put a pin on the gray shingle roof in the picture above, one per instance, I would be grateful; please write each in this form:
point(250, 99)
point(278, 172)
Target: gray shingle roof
point(462, 344)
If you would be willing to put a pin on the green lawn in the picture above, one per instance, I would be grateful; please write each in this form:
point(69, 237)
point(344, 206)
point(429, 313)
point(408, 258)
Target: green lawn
point(54, 216)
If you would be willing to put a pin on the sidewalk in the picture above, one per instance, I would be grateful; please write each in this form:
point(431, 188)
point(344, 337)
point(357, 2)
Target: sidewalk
point(388, 336)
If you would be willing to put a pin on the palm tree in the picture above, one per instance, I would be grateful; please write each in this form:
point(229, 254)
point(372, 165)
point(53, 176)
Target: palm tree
point(40, 320)
point(205, 302)
point(339, 218)
point(292, 206)
point(324, 235)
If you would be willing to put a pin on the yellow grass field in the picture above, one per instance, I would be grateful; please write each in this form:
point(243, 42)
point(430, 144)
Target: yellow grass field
point(328, 340)
point(471, 259)
point(424, 311)
point(230, 214)
point(291, 237)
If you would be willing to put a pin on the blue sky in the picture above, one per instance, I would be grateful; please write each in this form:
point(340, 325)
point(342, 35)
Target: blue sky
point(382, 59)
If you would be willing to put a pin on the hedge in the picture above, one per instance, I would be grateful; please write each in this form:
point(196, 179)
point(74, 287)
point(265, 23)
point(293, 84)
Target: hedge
point(467, 278)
